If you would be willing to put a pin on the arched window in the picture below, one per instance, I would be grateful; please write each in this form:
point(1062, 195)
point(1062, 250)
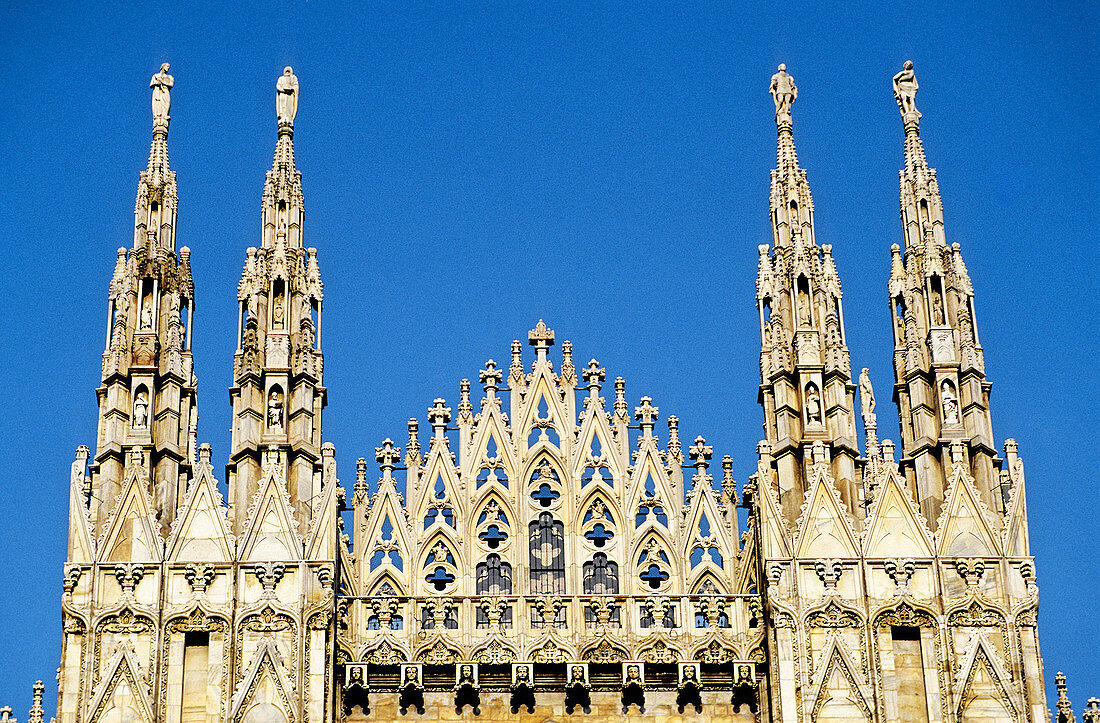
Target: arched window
point(601, 576)
point(494, 577)
point(547, 556)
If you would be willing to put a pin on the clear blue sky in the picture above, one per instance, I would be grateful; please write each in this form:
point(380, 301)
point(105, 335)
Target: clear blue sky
point(471, 167)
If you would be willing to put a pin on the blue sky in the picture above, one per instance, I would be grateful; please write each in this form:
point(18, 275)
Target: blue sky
point(471, 167)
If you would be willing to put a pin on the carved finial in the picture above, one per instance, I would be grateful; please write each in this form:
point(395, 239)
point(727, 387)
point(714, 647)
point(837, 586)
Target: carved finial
point(269, 575)
point(646, 413)
point(541, 338)
point(286, 99)
point(490, 376)
point(568, 372)
point(1092, 711)
point(1065, 708)
point(905, 93)
point(5, 715)
point(620, 399)
point(438, 416)
point(465, 407)
point(700, 454)
point(674, 450)
point(515, 370)
point(387, 455)
point(729, 486)
point(205, 452)
point(412, 448)
point(37, 715)
point(784, 92)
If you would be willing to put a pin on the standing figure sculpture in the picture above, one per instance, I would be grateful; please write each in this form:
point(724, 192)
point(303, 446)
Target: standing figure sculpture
point(949, 403)
point(866, 396)
point(275, 410)
point(286, 96)
point(813, 405)
point(784, 92)
point(141, 411)
point(905, 90)
point(161, 83)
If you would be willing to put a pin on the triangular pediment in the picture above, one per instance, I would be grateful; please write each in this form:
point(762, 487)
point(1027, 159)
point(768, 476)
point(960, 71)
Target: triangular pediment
point(201, 532)
point(81, 543)
point(321, 539)
point(121, 695)
point(963, 530)
point(1016, 542)
point(983, 686)
point(271, 533)
point(775, 539)
point(131, 535)
point(896, 528)
point(265, 686)
point(823, 529)
point(838, 691)
point(542, 396)
point(491, 440)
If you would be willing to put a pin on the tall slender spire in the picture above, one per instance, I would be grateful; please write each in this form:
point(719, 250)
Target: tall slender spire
point(941, 388)
point(792, 205)
point(278, 392)
point(155, 209)
point(805, 371)
point(147, 399)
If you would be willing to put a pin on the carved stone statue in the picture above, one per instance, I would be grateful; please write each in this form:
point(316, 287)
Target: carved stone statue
point(905, 90)
point(866, 395)
point(949, 403)
point(813, 405)
point(937, 309)
point(523, 693)
point(147, 313)
point(286, 96)
point(141, 411)
point(803, 308)
point(784, 92)
point(275, 409)
point(278, 313)
point(161, 83)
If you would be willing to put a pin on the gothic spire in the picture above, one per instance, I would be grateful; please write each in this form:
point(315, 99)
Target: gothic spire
point(278, 343)
point(792, 206)
point(148, 382)
point(804, 359)
point(155, 208)
point(283, 187)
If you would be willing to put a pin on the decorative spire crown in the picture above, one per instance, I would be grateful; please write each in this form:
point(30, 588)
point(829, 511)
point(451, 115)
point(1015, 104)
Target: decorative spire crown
point(784, 93)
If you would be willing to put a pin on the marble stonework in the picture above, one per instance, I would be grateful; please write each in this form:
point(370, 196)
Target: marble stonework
point(536, 544)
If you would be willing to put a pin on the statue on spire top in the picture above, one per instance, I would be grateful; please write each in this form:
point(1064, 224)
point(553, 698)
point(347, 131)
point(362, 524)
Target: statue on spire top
point(784, 91)
point(286, 96)
point(905, 91)
point(161, 83)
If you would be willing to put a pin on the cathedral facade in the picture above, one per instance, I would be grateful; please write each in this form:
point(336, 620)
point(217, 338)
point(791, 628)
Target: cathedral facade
point(537, 552)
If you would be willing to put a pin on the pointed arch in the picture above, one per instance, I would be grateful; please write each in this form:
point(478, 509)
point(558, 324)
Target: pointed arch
point(839, 695)
point(122, 696)
point(983, 685)
point(265, 692)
